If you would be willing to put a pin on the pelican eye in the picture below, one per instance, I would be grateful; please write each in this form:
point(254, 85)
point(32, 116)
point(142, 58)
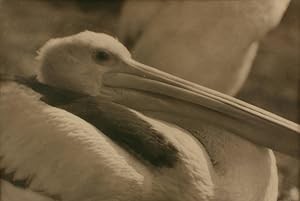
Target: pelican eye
point(102, 56)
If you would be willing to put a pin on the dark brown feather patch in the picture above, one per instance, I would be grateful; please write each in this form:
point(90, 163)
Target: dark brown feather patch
point(127, 129)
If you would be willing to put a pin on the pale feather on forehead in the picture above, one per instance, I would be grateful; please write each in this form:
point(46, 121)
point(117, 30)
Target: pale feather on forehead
point(90, 39)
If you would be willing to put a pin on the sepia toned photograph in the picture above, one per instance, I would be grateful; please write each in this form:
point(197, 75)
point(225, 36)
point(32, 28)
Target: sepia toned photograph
point(149, 100)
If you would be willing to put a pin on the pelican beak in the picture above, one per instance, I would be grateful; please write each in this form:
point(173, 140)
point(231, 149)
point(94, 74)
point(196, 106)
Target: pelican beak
point(144, 88)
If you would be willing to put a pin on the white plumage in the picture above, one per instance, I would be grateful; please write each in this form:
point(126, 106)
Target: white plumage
point(61, 156)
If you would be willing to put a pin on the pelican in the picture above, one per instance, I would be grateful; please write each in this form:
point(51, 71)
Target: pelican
point(212, 43)
point(97, 125)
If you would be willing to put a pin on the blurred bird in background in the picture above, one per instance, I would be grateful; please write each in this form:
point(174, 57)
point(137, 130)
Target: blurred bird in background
point(212, 43)
point(272, 83)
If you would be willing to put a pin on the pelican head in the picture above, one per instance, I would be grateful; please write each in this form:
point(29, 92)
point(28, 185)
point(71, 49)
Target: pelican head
point(96, 64)
point(78, 62)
